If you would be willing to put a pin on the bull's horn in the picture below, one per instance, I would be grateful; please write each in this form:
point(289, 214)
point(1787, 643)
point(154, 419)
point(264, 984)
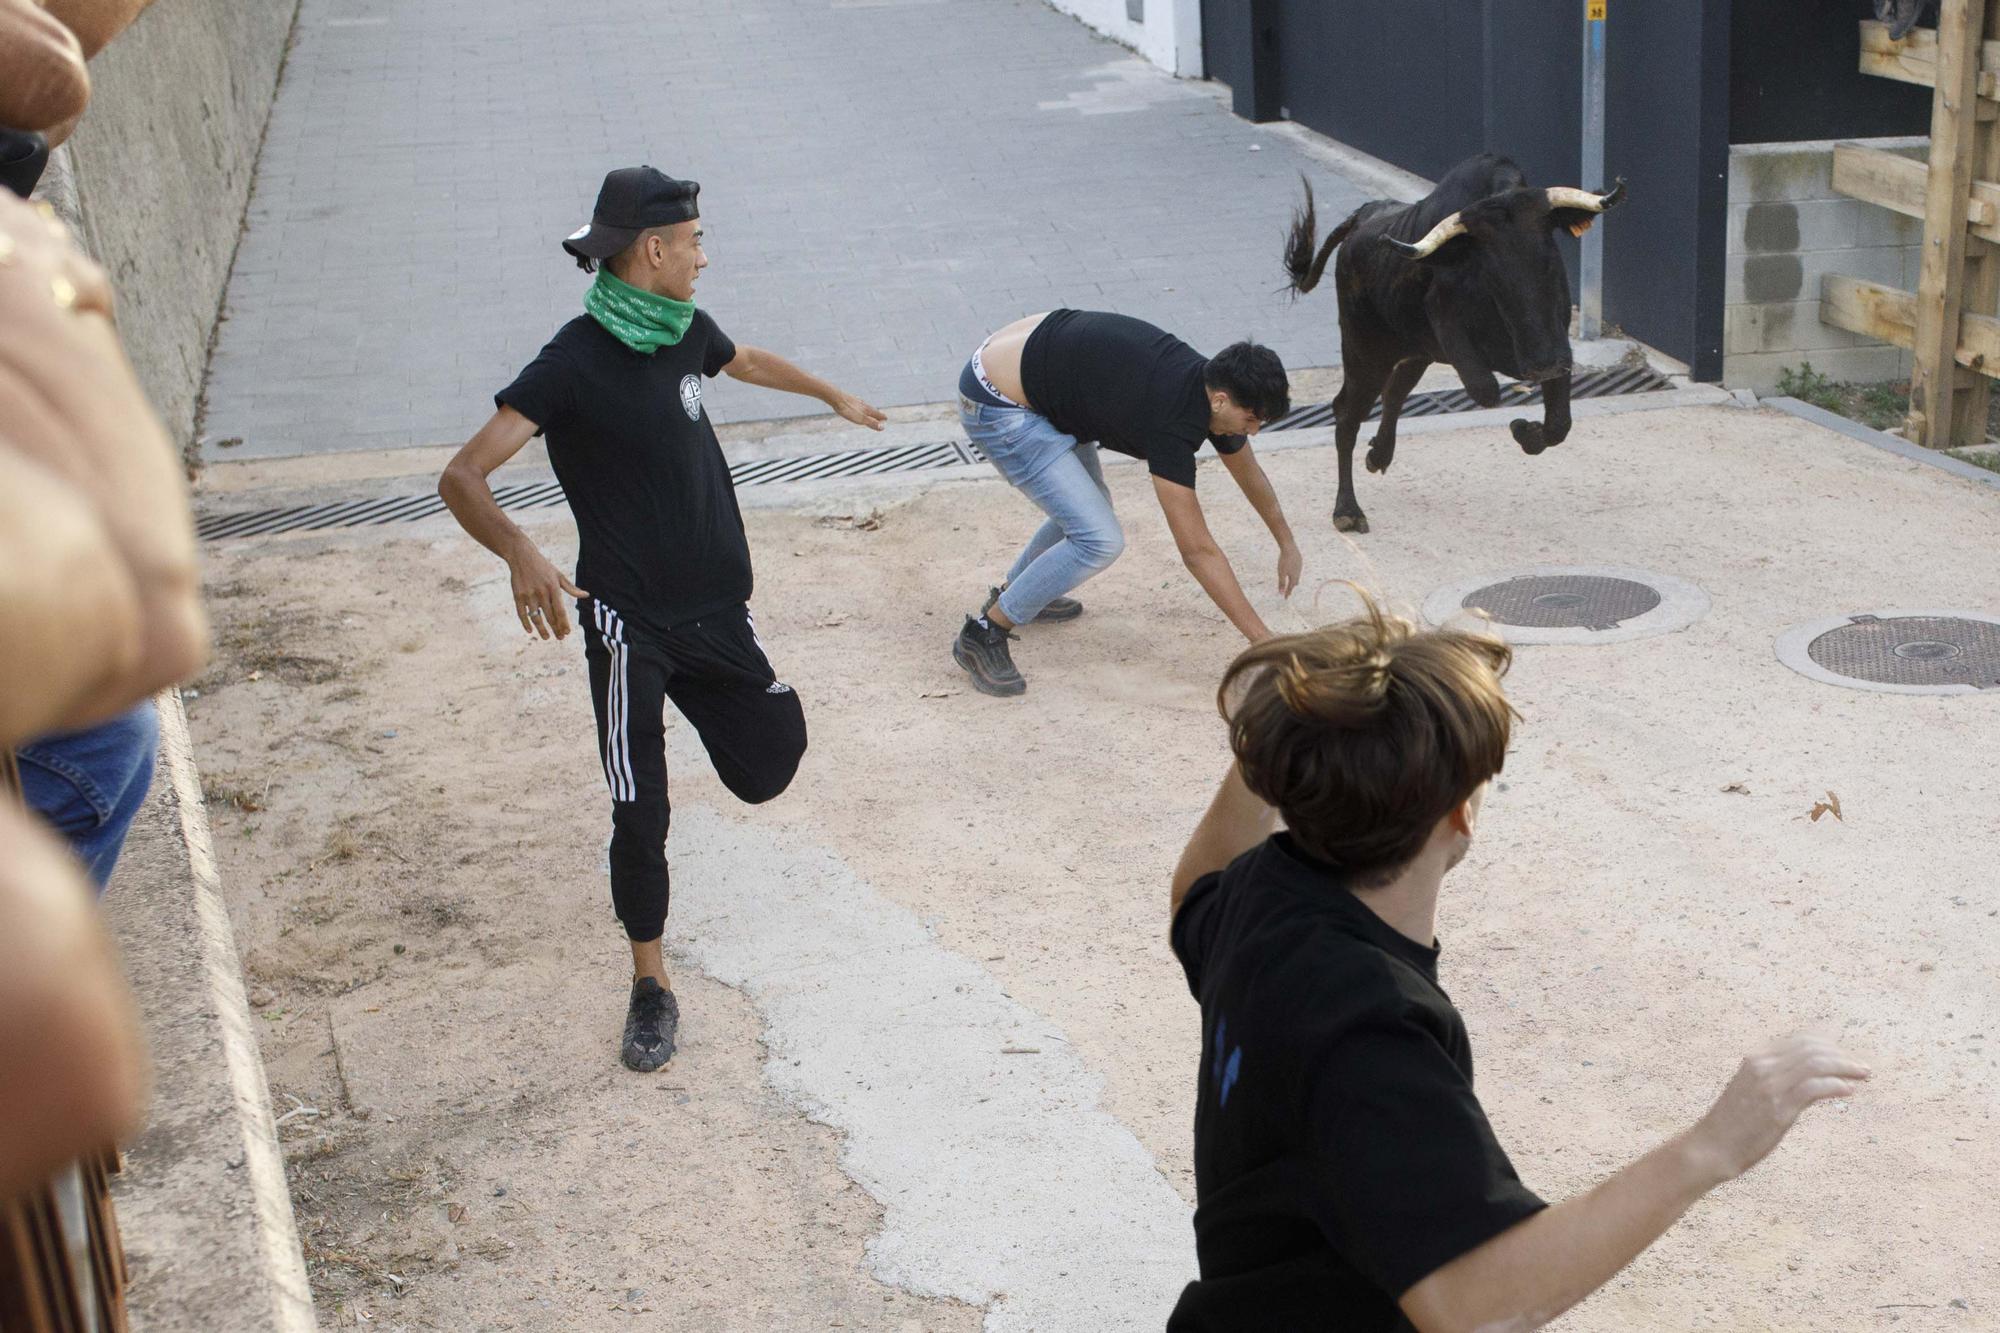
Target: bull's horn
point(1564, 196)
point(1436, 236)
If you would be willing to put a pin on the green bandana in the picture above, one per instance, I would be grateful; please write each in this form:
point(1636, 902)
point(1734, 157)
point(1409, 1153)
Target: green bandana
point(642, 321)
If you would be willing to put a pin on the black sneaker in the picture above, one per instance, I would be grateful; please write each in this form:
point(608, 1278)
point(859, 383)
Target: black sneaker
point(982, 650)
point(650, 1025)
point(1062, 608)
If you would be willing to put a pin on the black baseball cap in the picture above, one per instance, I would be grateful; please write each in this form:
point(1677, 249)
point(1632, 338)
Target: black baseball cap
point(631, 200)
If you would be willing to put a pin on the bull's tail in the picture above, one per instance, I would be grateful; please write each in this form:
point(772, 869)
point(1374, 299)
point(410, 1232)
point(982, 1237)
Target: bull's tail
point(1301, 264)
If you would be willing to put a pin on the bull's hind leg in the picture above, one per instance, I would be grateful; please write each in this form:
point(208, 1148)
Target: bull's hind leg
point(1382, 449)
point(1360, 385)
point(1553, 428)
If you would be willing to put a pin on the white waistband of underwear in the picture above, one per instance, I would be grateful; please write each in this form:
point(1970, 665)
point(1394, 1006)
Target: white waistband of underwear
point(979, 373)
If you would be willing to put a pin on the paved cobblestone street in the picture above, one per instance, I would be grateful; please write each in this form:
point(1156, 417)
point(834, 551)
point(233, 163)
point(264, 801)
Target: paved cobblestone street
point(883, 182)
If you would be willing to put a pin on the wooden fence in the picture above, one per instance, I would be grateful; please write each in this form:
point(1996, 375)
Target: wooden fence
point(1949, 323)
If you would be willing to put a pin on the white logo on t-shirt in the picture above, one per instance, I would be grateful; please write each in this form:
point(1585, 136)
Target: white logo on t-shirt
point(691, 396)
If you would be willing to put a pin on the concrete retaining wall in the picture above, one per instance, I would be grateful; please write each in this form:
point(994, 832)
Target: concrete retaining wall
point(1166, 32)
point(162, 166)
point(1788, 229)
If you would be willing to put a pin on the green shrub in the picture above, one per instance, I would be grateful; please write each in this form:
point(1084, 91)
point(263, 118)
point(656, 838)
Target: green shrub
point(1809, 386)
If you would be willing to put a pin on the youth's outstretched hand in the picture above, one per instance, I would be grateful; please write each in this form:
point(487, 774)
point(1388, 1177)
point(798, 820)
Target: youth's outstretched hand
point(859, 412)
point(1765, 1098)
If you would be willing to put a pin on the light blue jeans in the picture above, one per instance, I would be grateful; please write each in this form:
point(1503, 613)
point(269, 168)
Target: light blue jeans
point(1066, 480)
point(90, 784)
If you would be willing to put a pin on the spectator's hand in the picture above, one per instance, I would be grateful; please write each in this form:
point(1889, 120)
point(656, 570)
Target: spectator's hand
point(69, 618)
point(72, 1060)
point(42, 80)
point(1290, 565)
point(1769, 1091)
point(860, 413)
point(539, 589)
point(69, 401)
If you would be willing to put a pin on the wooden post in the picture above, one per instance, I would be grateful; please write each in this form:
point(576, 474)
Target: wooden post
point(1940, 287)
point(1982, 277)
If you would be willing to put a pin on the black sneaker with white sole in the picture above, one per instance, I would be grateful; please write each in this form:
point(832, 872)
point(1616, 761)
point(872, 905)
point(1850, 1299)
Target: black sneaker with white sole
point(981, 649)
point(651, 1023)
point(1060, 608)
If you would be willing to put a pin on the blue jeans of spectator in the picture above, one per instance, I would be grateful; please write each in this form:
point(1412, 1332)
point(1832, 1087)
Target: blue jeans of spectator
point(90, 784)
point(1081, 536)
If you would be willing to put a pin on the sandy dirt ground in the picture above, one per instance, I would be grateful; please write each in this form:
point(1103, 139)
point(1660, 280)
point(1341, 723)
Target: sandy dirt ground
point(410, 819)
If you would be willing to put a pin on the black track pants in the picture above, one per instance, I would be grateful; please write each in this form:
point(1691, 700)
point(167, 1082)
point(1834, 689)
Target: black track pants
point(715, 671)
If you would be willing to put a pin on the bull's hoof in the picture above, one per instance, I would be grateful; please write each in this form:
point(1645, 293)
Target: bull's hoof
point(1529, 435)
point(1354, 522)
point(1380, 455)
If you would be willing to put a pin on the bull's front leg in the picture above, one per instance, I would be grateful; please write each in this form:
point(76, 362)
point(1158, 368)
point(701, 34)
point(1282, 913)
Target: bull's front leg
point(1553, 428)
point(1382, 449)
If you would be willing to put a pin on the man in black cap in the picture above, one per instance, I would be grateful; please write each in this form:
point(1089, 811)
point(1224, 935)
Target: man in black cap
point(663, 564)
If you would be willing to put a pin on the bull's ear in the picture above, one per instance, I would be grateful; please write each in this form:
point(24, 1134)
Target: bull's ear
point(1575, 210)
point(1575, 221)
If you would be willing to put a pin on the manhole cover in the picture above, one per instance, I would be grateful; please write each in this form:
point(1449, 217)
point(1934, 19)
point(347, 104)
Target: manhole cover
point(1571, 603)
point(1564, 601)
point(1941, 652)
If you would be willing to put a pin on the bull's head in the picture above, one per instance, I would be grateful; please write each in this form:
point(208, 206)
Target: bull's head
point(1504, 248)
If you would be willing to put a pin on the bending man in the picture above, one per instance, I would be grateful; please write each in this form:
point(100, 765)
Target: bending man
point(1041, 395)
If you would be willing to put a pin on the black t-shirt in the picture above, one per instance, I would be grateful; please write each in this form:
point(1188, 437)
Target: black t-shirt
point(1340, 1155)
point(659, 536)
point(1123, 383)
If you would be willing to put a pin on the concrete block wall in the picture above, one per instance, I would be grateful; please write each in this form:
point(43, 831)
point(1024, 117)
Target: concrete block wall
point(1787, 230)
point(162, 168)
point(1166, 32)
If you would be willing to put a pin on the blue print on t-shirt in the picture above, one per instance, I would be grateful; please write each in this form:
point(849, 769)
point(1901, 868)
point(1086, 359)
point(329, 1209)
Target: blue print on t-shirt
point(1224, 1070)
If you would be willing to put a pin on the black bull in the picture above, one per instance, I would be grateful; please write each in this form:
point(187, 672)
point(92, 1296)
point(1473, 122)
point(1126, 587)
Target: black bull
point(1468, 275)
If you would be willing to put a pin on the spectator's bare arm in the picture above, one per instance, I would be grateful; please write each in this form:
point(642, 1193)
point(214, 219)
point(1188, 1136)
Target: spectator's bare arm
point(69, 619)
point(72, 1061)
point(96, 22)
point(71, 403)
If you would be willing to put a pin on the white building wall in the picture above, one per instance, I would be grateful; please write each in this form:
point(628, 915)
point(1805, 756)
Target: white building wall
point(1168, 32)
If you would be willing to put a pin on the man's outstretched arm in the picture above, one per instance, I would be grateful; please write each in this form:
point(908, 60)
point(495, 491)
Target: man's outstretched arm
point(1249, 476)
point(1205, 560)
point(768, 370)
point(539, 587)
point(1535, 1270)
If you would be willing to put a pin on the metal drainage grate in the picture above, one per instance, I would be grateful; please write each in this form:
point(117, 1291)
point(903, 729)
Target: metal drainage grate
point(1563, 601)
point(548, 494)
point(1574, 604)
point(1590, 384)
point(1929, 653)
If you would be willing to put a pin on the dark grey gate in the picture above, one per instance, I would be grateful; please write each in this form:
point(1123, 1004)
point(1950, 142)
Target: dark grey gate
point(1426, 83)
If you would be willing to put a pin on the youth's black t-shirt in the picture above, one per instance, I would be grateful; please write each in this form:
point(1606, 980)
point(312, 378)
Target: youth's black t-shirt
point(1125, 384)
point(1340, 1155)
point(660, 538)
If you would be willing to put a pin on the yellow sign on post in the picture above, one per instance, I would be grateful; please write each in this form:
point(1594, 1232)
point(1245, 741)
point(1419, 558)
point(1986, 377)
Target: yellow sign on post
point(1593, 10)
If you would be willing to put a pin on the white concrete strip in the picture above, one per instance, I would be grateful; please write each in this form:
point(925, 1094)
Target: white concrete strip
point(1388, 180)
point(1854, 430)
point(1003, 1184)
point(277, 1231)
